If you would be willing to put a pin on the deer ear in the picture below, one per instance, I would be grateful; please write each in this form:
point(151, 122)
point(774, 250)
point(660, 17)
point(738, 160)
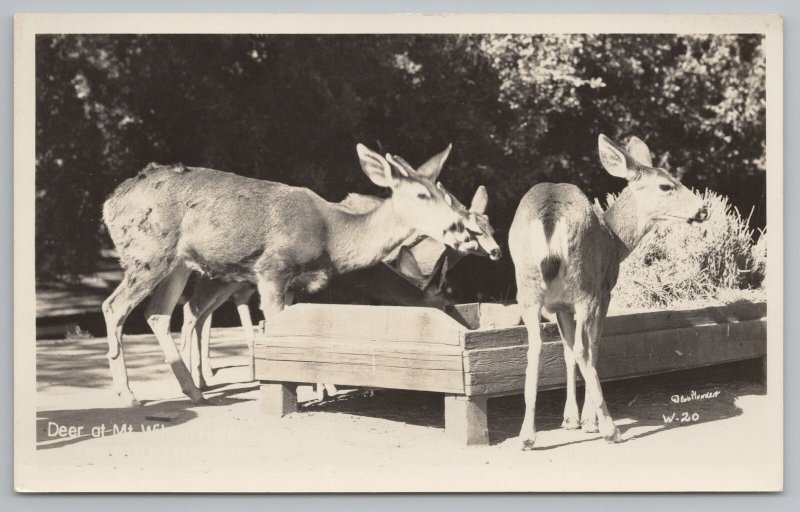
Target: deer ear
point(375, 167)
point(407, 265)
point(436, 280)
point(639, 151)
point(479, 201)
point(433, 167)
point(443, 274)
point(613, 158)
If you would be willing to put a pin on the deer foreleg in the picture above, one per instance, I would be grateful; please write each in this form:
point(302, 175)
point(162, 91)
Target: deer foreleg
point(242, 300)
point(585, 352)
point(530, 315)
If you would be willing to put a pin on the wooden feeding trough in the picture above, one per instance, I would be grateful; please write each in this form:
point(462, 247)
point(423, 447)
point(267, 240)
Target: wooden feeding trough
point(473, 352)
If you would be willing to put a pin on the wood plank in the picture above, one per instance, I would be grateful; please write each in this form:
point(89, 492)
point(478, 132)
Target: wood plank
point(627, 323)
point(510, 336)
point(443, 381)
point(424, 362)
point(659, 320)
point(372, 323)
point(467, 315)
point(486, 315)
point(358, 346)
point(502, 370)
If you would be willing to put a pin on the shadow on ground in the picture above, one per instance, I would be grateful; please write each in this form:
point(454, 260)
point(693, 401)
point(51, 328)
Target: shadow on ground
point(82, 362)
point(641, 402)
point(633, 403)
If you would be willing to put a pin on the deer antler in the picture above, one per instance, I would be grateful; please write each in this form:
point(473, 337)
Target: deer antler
point(400, 164)
point(450, 198)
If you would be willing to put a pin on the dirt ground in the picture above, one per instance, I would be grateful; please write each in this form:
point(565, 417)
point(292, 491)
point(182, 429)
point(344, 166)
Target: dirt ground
point(377, 441)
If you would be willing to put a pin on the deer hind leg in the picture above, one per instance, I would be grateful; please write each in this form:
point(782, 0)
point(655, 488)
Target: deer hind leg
point(566, 325)
point(589, 411)
point(195, 333)
point(134, 288)
point(241, 299)
point(530, 315)
point(589, 320)
point(158, 314)
point(203, 333)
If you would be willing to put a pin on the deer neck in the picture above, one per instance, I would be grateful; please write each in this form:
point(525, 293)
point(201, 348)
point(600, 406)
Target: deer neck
point(360, 240)
point(627, 223)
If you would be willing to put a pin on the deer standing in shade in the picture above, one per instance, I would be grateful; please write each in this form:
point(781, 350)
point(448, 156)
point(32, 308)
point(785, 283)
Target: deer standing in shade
point(566, 256)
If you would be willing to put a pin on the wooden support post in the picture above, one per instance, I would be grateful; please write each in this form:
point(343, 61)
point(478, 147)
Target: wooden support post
point(465, 419)
point(278, 398)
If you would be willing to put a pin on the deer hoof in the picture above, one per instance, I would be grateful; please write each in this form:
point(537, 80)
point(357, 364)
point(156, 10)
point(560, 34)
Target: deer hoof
point(527, 443)
point(570, 423)
point(613, 436)
point(196, 396)
point(128, 400)
point(590, 427)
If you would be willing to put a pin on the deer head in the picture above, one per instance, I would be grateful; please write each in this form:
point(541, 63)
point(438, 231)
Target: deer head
point(477, 223)
point(653, 194)
point(417, 202)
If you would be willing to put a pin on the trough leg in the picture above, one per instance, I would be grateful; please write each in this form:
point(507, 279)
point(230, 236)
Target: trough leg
point(278, 398)
point(465, 419)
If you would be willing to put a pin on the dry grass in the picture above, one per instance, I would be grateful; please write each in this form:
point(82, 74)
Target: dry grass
point(720, 261)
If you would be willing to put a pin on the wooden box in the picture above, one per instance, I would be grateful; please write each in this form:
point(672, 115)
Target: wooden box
point(474, 352)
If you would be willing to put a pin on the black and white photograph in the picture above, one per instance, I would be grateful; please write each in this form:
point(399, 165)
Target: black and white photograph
point(395, 253)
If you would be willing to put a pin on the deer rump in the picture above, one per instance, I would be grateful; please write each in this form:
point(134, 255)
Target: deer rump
point(561, 235)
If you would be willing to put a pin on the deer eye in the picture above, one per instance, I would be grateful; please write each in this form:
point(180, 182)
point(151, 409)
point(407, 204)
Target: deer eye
point(423, 196)
point(666, 188)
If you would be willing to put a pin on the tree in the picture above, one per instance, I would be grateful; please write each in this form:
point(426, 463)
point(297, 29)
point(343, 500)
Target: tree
point(519, 109)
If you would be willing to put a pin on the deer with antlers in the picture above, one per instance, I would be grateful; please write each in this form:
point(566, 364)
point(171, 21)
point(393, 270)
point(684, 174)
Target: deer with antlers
point(170, 221)
point(412, 275)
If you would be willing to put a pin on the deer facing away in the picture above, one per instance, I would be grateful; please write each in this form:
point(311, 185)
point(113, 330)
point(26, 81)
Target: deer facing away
point(566, 256)
point(413, 275)
point(170, 221)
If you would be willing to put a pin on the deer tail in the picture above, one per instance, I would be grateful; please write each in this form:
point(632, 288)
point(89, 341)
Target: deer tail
point(549, 247)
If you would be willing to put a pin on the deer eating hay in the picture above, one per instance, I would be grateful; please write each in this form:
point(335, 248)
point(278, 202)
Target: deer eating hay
point(170, 221)
point(566, 256)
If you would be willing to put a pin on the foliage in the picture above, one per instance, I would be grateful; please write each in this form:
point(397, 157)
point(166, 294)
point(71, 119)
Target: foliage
point(519, 109)
point(680, 263)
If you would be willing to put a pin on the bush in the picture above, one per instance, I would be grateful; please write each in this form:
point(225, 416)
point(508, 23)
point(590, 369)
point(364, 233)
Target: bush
point(690, 265)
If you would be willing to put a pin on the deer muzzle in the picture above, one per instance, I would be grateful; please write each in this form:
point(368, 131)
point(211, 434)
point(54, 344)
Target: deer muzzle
point(701, 215)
